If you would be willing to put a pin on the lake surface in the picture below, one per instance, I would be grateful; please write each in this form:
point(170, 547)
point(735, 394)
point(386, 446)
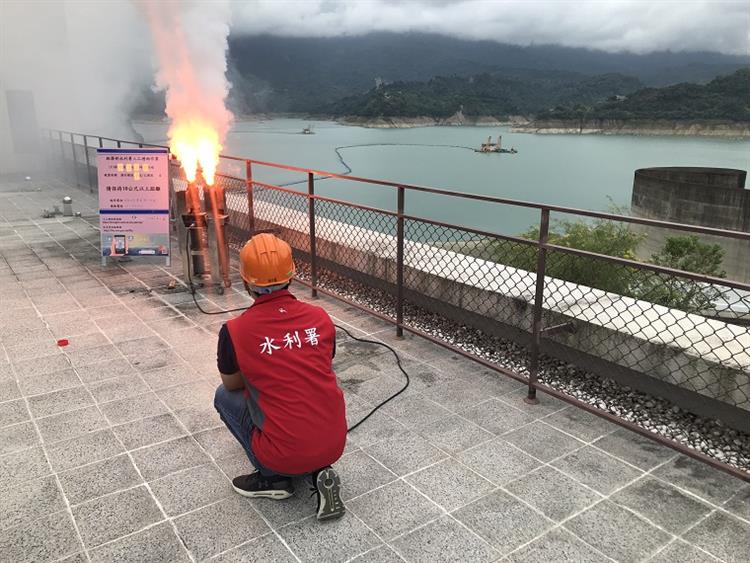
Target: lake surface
point(585, 171)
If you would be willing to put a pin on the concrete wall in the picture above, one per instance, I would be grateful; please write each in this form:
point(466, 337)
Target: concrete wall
point(705, 358)
point(711, 197)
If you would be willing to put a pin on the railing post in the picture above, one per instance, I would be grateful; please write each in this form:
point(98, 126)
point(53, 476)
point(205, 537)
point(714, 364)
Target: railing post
point(400, 262)
point(75, 159)
point(536, 329)
point(249, 185)
point(88, 164)
point(119, 144)
point(101, 143)
point(62, 149)
point(313, 247)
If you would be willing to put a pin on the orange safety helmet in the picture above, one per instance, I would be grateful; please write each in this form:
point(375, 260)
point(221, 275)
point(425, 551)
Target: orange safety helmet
point(266, 260)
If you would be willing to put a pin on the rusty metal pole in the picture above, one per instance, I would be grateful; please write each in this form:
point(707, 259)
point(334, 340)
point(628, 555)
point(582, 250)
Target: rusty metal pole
point(313, 246)
point(88, 164)
point(536, 329)
point(400, 263)
point(62, 149)
point(75, 159)
point(250, 207)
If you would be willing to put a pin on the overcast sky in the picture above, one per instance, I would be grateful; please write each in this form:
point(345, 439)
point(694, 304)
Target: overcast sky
point(613, 25)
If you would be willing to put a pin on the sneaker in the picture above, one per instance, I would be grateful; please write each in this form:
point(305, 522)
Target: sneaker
point(328, 486)
point(257, 486)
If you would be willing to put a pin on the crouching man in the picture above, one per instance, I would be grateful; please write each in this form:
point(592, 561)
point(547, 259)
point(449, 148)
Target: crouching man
point(279, 396)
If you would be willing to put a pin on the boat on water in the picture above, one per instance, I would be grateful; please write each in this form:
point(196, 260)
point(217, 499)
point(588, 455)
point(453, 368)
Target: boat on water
point(490, 147)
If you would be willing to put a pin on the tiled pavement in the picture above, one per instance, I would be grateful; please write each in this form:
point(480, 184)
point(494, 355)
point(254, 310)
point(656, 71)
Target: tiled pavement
point(110, 449)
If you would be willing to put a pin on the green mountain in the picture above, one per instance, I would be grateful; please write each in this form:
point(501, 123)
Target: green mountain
point(726, 98)
point(498, 95)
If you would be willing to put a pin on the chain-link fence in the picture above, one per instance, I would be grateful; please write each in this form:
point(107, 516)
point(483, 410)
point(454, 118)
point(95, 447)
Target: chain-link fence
point(544, 296)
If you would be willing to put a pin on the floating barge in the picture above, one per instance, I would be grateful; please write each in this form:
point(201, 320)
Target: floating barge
point(490, 147)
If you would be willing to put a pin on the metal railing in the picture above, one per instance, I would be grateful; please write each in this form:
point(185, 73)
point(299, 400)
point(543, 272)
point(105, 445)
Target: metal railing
point(612, 315)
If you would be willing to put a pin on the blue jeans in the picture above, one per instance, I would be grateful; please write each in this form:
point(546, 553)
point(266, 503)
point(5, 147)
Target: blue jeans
point(232, 410)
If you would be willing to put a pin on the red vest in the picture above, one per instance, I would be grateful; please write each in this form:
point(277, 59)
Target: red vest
point(284, 349)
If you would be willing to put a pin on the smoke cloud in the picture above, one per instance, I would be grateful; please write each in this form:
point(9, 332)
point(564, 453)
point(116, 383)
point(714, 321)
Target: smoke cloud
point(190, 43)
point(83, 61)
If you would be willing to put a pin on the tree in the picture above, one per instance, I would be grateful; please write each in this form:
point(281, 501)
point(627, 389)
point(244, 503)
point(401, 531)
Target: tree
point(689, 254)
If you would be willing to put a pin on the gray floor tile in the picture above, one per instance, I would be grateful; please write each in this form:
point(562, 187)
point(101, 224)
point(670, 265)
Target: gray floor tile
point(405, 452)
point(94, 355)
point(34, 384)
point(580, 423)
point(393, 509)
point(557, 545)
point(722, 535)
point(59, 401)
point(70, 424)
point(360, 473)
point(377, 389)
point(496, 416)
point(498, 461)
point(546, 406)
point(147, 431)
point(699, 478)
point(421, 376)
point(295, 508)
point(17, 437)
point(169, 376)
point(196, 419)
point(219, 442)
point(41, 365)
point(454, 434)
point(49, 538)
point(680, 552)
point(98, 479)
point(157, 360)
point(13, 412)
point(597, 469)
point(542, 441)
point(30, 500)
point(117, 388)
point(86, 341)
point(456, 395)
point(503, 521)
point(23, 465)
point(556, 495)
point(84, 449)
point(739, 504)
point(119, 514)
point(382, 554)
point(199, 393)
point(377, 428)
point(190, 489)
point(133, 408)
point(444, 540)
point(415, 410)
point(165, 458)
point(141, 347)
point(617, 532)
point(214, 528)
point(637, 450)
point(265, 549)
point(662, 504)
point(450, 484)
point(9, 388)
point(102, 371)
point(334, 542)
point(156, 544)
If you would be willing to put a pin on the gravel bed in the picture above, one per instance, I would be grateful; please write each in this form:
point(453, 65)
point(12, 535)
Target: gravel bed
point(657, 415)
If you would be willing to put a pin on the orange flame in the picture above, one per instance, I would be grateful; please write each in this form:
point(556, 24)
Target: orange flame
point(196, 143)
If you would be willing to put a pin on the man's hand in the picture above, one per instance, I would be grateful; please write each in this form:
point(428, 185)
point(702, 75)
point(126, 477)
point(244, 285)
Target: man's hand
point(233, 381)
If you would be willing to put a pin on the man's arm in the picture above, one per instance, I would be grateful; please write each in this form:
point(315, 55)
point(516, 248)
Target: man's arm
point(226, 361)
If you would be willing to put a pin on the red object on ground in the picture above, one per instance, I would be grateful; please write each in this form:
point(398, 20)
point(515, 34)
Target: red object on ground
point(63, 342)
point(284, 347)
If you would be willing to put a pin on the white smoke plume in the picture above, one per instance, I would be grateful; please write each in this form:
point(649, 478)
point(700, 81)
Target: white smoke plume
point(190, 44)
point(84, 62)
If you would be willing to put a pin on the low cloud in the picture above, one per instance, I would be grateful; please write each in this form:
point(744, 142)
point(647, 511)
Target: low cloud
point(638, 26)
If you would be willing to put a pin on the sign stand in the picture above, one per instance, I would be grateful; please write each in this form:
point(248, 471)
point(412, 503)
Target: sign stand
point(134, 203)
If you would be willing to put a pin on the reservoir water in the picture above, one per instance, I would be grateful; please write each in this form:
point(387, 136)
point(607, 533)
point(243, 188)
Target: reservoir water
point(584, 171)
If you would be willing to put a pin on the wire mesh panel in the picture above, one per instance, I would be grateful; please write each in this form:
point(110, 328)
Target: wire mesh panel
point(660, 324)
